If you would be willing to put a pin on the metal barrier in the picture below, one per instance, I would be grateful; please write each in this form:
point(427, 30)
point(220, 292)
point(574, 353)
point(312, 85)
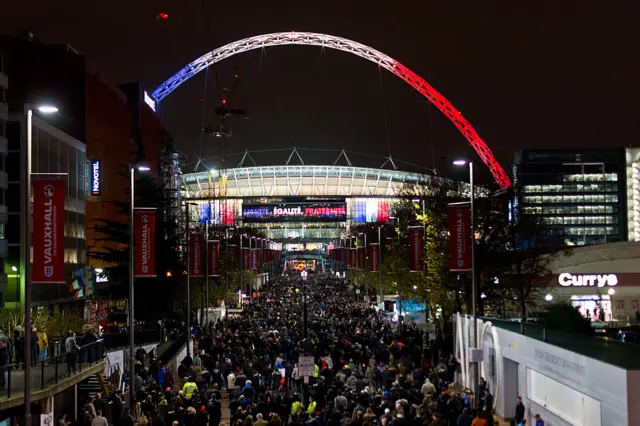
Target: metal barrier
point(51, 370)
point(142, 337)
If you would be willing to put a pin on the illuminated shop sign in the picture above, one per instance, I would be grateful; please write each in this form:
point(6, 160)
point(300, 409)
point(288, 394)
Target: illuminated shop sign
point(310, 212)
point(95, 175)
point(149, 101)
point(587, 280)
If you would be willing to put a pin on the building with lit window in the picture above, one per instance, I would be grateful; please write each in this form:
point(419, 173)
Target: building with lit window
point(581, 194)
point(4, 118)
point(55, 155)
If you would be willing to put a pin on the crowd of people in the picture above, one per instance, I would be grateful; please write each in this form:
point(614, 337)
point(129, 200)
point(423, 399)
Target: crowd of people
point(367, 370)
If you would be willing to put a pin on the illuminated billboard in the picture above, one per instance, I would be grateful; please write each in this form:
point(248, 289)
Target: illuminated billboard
point(295, 212)
point(95, 178)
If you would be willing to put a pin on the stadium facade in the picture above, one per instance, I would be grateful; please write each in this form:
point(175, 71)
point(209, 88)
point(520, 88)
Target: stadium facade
point(298, 203)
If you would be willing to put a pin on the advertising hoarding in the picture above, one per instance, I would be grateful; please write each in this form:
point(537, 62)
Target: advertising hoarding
point(295, 212)
point(145, 243)
point(460, 238)
point(48, 230)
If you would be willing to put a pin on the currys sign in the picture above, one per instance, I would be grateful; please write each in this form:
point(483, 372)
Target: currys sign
point(48, 230)
point(95, 175)
point(587, 280)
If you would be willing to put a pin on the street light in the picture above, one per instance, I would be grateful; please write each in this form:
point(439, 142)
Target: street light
point(26, 223)
point(47, 109)
point(474, 285)
point(548, 297)
point(14, 268)
point(132, 272)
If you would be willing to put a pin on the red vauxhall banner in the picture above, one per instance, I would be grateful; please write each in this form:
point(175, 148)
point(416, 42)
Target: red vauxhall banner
point(214, 258)
point(353, 258)
point(460, 238)
point(254, 258)
point(416, 248)
point(144, 229)
point(374, 256)
point(246, 258)
point(48, 230)
point(361, 257)
point(196, 255)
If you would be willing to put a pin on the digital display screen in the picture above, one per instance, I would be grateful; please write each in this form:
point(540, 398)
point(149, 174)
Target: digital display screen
point(295, 212)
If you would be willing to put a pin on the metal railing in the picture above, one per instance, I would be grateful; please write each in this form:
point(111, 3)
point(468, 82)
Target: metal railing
point(51, 370)
point(120, 340)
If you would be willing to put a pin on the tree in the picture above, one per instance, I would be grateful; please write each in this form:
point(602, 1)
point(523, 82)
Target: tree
point(566, 318)
point(520, 258)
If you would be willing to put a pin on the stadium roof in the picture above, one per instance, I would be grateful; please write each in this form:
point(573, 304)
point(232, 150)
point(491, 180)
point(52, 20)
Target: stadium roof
point(296, 178)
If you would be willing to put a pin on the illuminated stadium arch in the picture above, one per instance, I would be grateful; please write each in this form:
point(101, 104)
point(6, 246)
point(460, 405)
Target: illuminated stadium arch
point(355, 48)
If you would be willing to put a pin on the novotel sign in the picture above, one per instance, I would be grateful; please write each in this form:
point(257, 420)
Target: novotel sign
point(587, 280)
point(95, 177)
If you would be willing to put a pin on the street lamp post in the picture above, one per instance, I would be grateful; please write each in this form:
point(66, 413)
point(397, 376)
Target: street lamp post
point(204, 321)
point(380, 267)
point(26, 222)
point(187, 262)
point(241, 266)
point(251, 247)
point(474, 284)
point(132, 278)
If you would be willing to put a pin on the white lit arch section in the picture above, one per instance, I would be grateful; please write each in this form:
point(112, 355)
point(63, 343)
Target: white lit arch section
point(355, 48)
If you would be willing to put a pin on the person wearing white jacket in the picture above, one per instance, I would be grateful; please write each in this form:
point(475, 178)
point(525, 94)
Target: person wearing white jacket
point(428, 389)
point(297, 377)
point(231, 381)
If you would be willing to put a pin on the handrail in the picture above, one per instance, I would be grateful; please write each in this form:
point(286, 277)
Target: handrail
point(50, 370)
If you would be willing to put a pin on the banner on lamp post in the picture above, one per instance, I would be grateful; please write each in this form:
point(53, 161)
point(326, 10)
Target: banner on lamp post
point(48, 230)
point(361, 257)
point(353, 258)
point(196, 255)
point(254, 258)
point(416, 248)
point(246, 258)
point(144, 229)
point(214, 258)
point(460, 237)
point(374, 257)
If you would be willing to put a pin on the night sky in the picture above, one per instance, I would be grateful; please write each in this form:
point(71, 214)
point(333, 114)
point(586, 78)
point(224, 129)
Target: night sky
point(526, 74)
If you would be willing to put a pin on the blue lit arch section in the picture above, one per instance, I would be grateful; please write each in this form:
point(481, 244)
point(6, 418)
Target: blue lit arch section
point(355, 48)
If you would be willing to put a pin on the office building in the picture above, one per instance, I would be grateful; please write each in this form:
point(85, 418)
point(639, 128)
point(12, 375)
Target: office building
point(580, 194)
point(4, 118)
point(55, 155)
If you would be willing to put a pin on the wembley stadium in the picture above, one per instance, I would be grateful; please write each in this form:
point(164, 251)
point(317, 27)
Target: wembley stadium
point(302, 205)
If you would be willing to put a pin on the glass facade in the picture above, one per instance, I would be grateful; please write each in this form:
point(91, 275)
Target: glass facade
point(55, 155)
point(578, 193)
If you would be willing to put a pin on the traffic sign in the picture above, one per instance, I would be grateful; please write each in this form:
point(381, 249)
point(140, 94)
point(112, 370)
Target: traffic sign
point(306, 366)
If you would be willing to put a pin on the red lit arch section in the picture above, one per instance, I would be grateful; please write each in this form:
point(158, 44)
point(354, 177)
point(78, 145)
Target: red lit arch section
point(355, 48)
